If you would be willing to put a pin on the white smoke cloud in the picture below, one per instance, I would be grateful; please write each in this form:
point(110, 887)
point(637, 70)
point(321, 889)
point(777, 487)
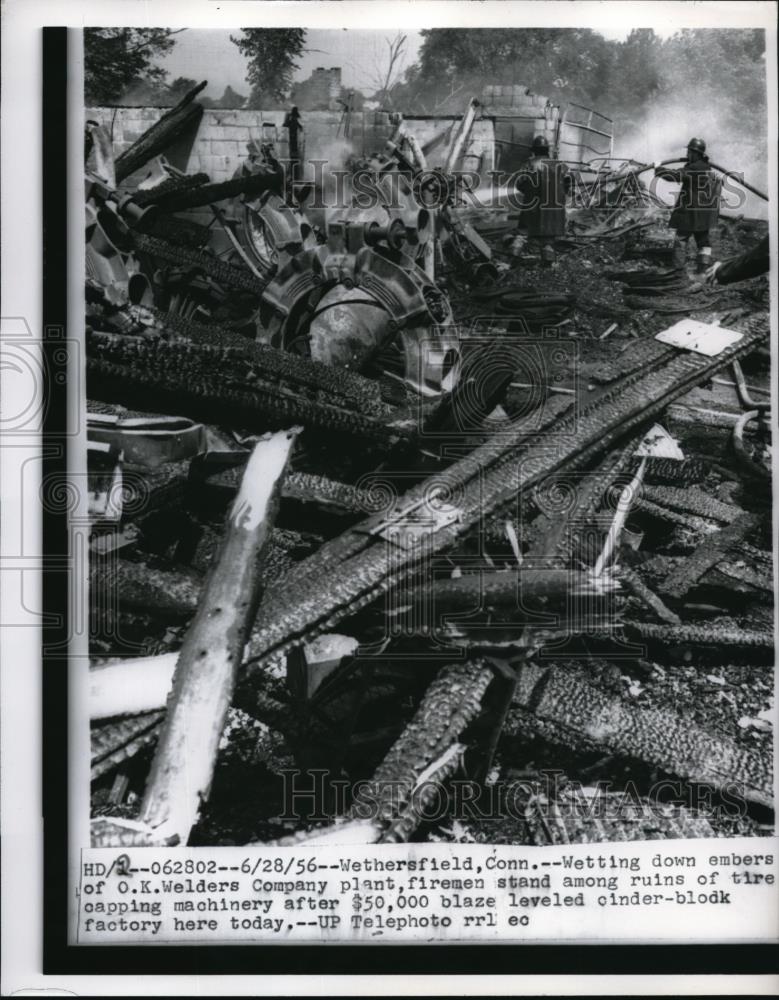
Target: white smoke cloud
point(670, 124)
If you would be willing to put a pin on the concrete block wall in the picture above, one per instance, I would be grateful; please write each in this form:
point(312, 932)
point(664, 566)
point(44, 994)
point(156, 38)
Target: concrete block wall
point(479, 152)
point(219, 146)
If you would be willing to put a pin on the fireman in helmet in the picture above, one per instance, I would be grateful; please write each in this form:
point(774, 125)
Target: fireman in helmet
point(543, 185)
point(697, 205)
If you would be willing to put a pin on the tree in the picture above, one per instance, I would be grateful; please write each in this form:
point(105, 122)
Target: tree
point(180, 87)
point(117, 58)
point(271, 55)
point(387, 73)
point(639, 68)
point(561, 63)
point(230, 99)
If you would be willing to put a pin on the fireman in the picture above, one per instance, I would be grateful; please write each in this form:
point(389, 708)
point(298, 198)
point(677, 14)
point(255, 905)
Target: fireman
point(543, 185)
point(697, 205)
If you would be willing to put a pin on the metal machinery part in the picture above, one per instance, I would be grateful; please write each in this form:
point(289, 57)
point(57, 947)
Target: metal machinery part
point(269, 228)
point(266, 225)
point(361, 296)
point(110, 261)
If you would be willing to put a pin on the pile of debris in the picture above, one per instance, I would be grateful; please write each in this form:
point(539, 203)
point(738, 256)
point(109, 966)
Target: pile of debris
point(373, 503)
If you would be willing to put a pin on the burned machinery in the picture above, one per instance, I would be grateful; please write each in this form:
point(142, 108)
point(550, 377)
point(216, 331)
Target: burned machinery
point(334, 651)
point(351, 299)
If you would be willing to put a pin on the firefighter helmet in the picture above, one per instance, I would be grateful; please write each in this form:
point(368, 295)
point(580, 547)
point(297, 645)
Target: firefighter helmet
point(540, 146)
point(697, 144)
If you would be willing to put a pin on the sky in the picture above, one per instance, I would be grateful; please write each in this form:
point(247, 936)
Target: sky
point(210, 55)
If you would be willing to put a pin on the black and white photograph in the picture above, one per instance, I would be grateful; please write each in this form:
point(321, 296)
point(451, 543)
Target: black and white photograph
point(420, 507)
point(428, 408)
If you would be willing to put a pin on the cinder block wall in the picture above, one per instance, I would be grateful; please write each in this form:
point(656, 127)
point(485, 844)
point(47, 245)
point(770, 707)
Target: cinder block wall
point(219, 146)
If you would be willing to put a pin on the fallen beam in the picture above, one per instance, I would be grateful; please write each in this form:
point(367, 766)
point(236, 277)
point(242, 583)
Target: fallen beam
point(224, 386)
point(608, 817)
point(514, 599)
point(162, 134)
point(702, 635)
point(561, 705)
point(250, 185)
point(130, 686)
point(392, 804)
point(120, 583)
point(234, 276)
point(351, 571)
point(708, 554)
point(205, 672)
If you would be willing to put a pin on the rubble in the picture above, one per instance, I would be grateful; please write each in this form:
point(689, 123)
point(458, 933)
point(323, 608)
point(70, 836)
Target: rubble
point(467, 422)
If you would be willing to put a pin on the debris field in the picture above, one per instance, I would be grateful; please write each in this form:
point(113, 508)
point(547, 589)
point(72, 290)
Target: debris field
point(380, 502)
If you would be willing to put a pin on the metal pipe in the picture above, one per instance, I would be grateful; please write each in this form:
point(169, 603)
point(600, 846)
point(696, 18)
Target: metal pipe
point(743, 391)
point(746, 460)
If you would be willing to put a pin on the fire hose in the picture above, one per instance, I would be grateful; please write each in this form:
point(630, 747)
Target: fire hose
point(663, 163)
point(726, 173)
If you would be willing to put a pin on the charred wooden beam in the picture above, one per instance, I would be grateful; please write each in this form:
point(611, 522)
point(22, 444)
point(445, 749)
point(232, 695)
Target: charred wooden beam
point(354, 569)
point(234, 276)
point(702, 635)
point(608, 817)
point(569, 501)
point(173, 125)
point(222, 386)
point(392, 804)
point(341, 382)
point(205, 672)
point(562, 706)
point(116, 741)
point(174, 184)
point(692, 501)
point(342, 497)
point(708, 554)
point(692, 522)
point(170, 593)
point(648, 597)
point(251, 185)
point(509, 599)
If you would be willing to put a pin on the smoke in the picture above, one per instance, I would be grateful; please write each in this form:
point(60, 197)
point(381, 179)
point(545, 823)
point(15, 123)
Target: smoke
point(326, 172)
point(668, 125)
point(335, 155)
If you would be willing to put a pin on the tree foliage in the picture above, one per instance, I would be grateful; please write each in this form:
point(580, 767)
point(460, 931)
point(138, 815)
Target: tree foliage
point(549, 60)
point(270, 55)
point(710, 67)
point(116, 59)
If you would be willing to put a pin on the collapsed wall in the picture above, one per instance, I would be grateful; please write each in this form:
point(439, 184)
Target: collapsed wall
point(501, 137)
point(577, 133)
point(218, 146)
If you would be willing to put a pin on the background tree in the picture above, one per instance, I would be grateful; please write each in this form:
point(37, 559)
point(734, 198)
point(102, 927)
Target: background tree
point(230, 99)
point(556, 62)
point(115, 59)
point(649, 85)
point(271, 55)
point(386, 73)
point(180, 87)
